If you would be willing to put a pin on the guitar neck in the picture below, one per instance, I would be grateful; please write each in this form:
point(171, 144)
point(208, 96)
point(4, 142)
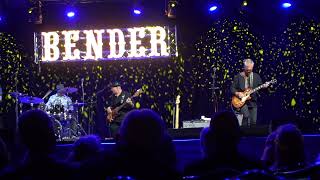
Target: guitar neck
point(137, 93)
point(256, 89)
point(123, 104)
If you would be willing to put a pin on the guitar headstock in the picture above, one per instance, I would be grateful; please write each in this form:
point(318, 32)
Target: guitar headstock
point(178, 99)
point(270, 82)
point(137, 93)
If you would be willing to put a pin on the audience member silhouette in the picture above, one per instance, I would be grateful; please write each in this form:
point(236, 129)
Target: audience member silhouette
point(289, 149)
point(145, 148)
point(219, 144)
point(37, 135)
point(4, 156)
point(85, 148)
point(267, 158)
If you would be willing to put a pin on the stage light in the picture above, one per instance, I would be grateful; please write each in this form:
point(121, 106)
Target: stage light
point(286, 5)
point(71, 14)
point(30, 10)
point(171, 8)
point(137, 11)
point(245, 3)
point(35, 12)
point(213, 8)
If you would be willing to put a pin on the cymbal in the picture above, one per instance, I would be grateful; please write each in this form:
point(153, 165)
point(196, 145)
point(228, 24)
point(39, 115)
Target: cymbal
point(30, 99)
point(17, 94)
point(69, 90)
point(79, 104)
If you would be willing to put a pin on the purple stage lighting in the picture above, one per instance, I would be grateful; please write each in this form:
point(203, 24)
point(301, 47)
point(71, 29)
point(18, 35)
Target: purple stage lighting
point(213, 8)
point(137, 11)
point(71, 14)
point(286, 5)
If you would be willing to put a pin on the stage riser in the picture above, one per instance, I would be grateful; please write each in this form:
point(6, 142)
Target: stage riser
point(189, 150)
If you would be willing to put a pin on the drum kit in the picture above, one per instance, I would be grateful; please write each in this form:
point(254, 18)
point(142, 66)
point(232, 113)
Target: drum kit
point(65, 121)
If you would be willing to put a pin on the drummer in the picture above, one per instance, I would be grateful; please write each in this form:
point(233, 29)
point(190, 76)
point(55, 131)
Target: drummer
point(59, 99)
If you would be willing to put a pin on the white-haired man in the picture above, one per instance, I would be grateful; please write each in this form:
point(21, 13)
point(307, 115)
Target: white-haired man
point(243, 80)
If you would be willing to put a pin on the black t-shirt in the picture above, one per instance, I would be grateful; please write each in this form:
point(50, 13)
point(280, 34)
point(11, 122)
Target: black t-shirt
point(116, 101)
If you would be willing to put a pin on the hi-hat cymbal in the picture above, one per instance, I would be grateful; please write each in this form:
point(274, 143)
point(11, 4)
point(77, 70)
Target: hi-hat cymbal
point(69, 90)
point(78, 104)
point(30, 99)
point(17, 94)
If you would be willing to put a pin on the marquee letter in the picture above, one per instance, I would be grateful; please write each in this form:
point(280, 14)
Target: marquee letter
point(48, 46)
point(94, 44)
point(155, 41)
point(141, 52)
point(113, 43)
point(68, 36)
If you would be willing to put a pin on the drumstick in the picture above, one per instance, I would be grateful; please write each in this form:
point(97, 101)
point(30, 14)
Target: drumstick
point(47, 94)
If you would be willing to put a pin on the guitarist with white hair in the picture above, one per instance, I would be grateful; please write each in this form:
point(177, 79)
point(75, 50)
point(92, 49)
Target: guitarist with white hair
point(242, 83)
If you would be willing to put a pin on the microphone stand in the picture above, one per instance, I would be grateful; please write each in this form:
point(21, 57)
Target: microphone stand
point(17, 104)
point(96, 105)
point(82, 110)
point(213, 88)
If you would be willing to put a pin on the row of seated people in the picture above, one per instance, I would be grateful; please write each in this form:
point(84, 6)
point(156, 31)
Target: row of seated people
point(144, 150)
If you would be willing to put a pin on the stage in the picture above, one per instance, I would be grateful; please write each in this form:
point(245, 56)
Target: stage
point(188, 149)
point(182, 57)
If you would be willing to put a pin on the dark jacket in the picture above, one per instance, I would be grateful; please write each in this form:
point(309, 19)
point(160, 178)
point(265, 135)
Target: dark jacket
point(238, 84)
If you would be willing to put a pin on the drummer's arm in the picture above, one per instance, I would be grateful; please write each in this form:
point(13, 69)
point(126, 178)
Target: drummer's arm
point(69, 102)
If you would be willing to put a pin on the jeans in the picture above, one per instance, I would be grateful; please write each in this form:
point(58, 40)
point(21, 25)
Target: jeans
point(249, 115)
point(114, 129)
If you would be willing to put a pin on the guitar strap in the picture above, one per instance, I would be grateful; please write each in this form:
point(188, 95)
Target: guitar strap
point(248, 81)
point(251, 80)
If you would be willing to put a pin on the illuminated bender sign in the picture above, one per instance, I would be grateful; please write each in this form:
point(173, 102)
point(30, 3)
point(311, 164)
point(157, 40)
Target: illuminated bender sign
point(105, 44)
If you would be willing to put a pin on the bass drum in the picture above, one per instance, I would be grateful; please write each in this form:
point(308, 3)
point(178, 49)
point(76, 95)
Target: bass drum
point(57, 127)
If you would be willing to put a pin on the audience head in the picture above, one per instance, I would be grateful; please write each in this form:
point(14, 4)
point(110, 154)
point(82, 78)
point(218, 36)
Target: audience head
point(205, 144)
point(4, 156)
point(289, 147)
point(267, 158)
point(225, 127)
point(222, 136)
point(86, 147)
point(36, 131)
point(142, 129)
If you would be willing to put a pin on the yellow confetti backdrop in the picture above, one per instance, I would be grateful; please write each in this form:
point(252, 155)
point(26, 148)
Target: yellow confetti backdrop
point(291, 57)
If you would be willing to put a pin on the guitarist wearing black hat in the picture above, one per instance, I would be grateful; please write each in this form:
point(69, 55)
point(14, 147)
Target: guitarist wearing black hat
point(119, 104)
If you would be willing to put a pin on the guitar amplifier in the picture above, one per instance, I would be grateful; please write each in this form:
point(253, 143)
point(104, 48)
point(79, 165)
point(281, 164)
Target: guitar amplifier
point(199, 123)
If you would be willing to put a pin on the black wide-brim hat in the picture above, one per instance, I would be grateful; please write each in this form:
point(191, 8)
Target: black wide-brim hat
point(115, 84)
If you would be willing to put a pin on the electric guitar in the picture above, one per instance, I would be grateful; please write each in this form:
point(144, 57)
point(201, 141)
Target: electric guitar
point(176, 123)
point(238, 102)
point(114, 112)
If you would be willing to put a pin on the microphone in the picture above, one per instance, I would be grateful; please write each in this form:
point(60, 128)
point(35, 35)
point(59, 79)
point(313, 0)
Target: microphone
point(214, 69)
point(82, 80)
